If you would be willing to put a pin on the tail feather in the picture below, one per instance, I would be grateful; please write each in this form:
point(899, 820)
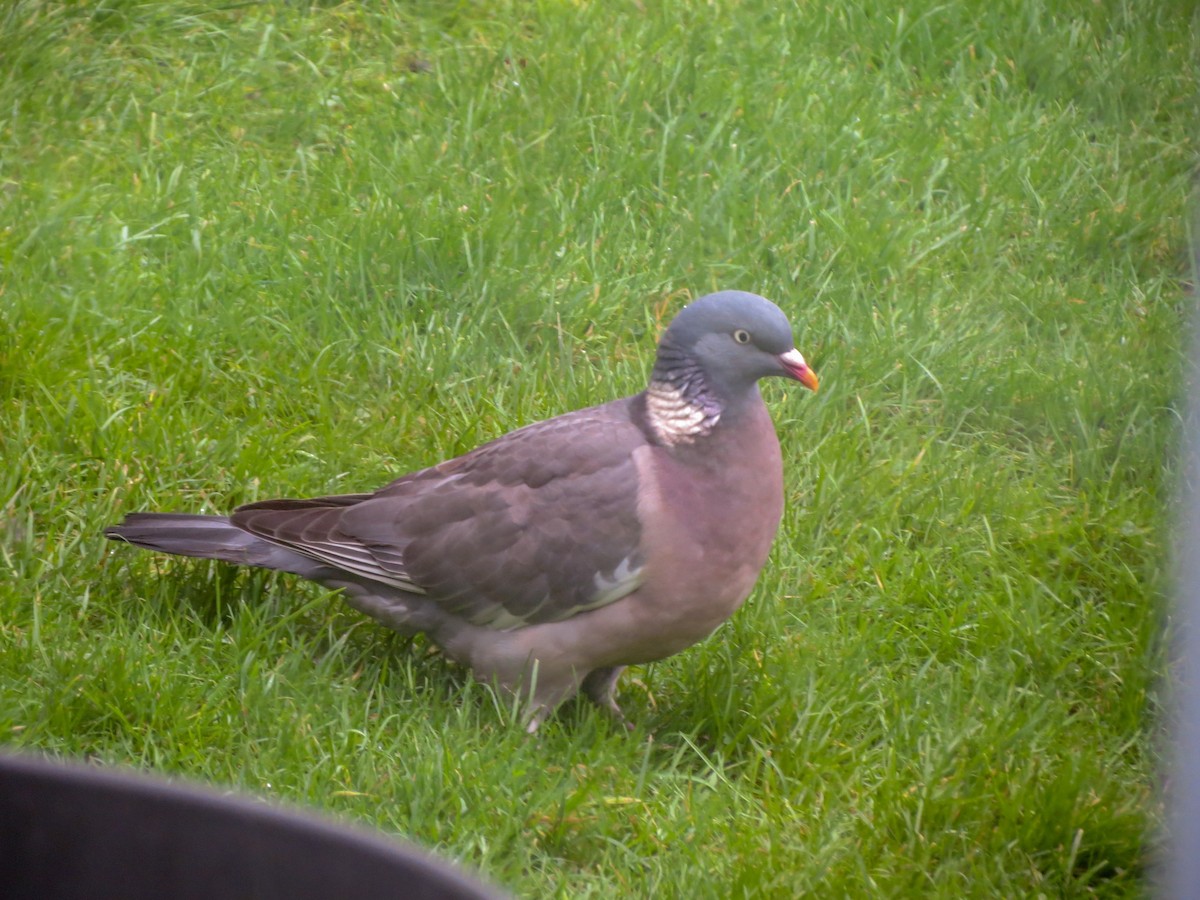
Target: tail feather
point(207, 537)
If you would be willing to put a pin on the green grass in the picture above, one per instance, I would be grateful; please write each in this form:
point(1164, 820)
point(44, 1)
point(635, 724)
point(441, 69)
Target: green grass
point(275, 250)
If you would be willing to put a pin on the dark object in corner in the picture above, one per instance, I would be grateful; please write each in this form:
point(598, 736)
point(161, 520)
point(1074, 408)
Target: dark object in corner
point(70, 831)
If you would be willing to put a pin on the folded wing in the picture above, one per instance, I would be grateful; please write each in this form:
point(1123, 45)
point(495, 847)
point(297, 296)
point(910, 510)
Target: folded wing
point(533, 527)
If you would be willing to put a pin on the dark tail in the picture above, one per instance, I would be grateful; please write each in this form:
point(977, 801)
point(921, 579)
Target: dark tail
point(208, 537)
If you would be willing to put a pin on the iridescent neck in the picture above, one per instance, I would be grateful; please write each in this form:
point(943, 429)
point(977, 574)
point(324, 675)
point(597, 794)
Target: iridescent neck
point(680, 404)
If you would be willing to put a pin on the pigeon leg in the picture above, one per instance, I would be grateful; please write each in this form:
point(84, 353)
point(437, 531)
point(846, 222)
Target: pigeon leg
point(600, 686)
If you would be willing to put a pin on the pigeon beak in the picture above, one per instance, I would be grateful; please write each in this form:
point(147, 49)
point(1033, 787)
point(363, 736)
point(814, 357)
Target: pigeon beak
point(795, 367)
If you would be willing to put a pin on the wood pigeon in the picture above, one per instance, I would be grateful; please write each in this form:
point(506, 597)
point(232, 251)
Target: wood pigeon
point(549, 559)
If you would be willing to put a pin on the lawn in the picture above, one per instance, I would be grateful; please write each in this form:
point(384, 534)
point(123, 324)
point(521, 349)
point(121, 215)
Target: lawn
point(285, 250)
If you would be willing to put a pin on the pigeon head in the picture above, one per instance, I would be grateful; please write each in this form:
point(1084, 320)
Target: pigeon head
point(710, 359)
point(734, 339)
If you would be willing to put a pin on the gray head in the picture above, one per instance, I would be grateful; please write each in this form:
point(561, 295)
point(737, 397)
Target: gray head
point(733, 339)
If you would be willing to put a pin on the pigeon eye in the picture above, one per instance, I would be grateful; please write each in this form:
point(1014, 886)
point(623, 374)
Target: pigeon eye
point(742, 336)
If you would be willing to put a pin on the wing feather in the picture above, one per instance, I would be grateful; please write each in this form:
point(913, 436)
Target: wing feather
point(535, 526)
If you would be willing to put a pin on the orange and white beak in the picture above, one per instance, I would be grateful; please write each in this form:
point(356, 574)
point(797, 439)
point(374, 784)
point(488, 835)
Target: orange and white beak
point(795, 367)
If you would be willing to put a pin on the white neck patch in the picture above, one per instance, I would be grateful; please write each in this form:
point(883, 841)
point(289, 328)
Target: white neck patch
point(676, 419)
